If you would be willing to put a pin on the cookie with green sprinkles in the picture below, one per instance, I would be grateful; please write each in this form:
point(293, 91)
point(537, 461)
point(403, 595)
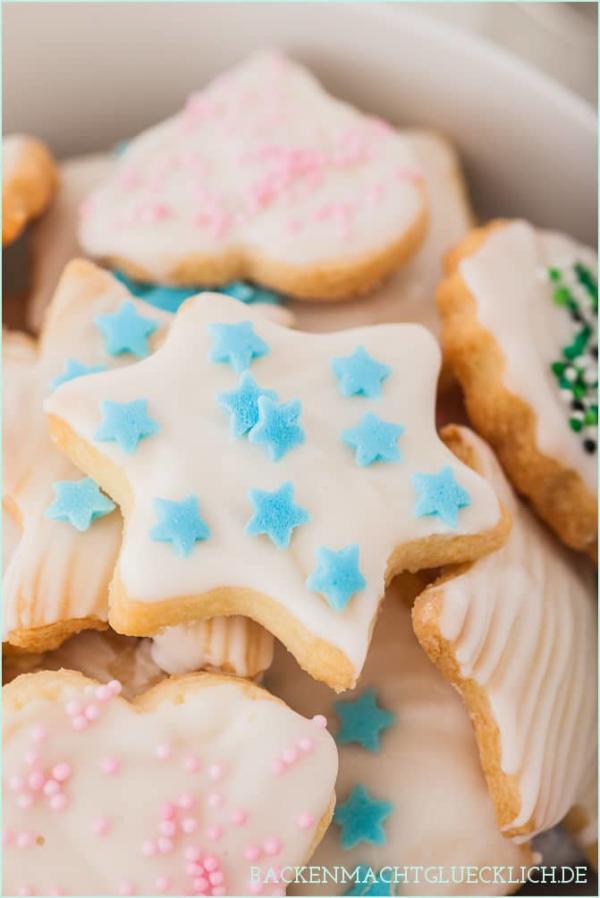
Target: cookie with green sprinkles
point(519, 309)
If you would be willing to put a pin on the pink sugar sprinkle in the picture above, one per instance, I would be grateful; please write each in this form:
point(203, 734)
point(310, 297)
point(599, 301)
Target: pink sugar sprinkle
point(129, 179)
point(25, 800)
point(306, 745)
point(31, 757)
point(101, 826)
point(193, 853)
point(39, 733)
point(80, 723)
point(148, 848)
point(154, 213)
point(294, 225)
point(16, 782)
point(59, 801)
point(305, 820)
point(168, 811)
point(320, 721)
point(162, 883)
point(51, 787)
point(92, 712)
point(110, 765)
point(290, 756)
point(189, 825)
point(167, 828)
point(375, 194)
point(215, 800)
point(163, 752)
point(277, 767)
point(73, 708)
point(126, 888)
point(215, 772)
point(191, 763)
point(272, 846)
point(165, 845)
point(214, 833)
point(24, 840)
point(186, 801)
point(252, 853)
point(61, 772)
point(239, 816)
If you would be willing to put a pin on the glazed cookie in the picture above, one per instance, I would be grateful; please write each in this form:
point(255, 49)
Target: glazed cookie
point(406, 746)
point(218, 812)
point(29, 179)
point(516, 634)
point(264, 176)
point(312, 461)
point(409, 295)
point(519, 313)
point(58, 570)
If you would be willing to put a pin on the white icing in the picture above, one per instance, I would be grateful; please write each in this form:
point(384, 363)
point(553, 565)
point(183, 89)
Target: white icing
point(427, 764)
point(235, 644)
point(220, 724)
point(409, 295)
point(522, 623)
point(238, 133)
point(506, 276)
point(195, 454)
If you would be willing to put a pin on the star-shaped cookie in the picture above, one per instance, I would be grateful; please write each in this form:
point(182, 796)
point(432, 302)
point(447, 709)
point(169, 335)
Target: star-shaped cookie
point(267, 519)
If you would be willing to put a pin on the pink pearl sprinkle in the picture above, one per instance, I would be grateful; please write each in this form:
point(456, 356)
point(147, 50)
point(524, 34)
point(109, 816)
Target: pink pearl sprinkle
point(290, 755)
point(165, 845)
point(186, 801)
point(305, 820)
point(162, 883)
point(167, 828)
point(36, 779)
point(24, 840)
point(215, 800)
point(25, 800)
point(214, 833)
point(92, 712)
point(191, 763)
point(110, 765)
point(115, 687)
point(168, 811)
point(148, 848)
point(59, 801)
point(73, 708)
point(254, 887)
point(216, 878)
point(306, 745)
point(61, 772)
point(210, 863)
point(51, 787)
point(80, 723)
point(201, 885)
point(16, 783)
point(278, 767)
point(320, 721)
point(189, 825)
point(252, 853)
point(39, 733)
point(101, 826)
point(239, 816)
point(163, 752)
point(272, 846)
point(215, 772)
point(126, 888)
point(103, 693)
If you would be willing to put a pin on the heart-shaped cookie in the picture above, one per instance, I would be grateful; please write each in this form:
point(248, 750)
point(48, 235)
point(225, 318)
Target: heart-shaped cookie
point(204, 785)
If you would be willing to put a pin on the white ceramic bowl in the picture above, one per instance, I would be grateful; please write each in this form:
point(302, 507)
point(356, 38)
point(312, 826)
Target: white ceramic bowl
point(84, 76)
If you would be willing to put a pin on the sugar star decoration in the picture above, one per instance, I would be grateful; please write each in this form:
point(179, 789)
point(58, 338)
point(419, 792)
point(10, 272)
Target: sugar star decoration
point(179, 523)
point(126, 330)
point(361, 817)
point(337, 575)
point(373, 440)
point(439, 494)
point(126, 423)
point(362, 720)
point(78, 502)
point(312, 515)
point(73, 369)
point(360, 374)
point(242, 404)
point(277, 427)
point(276, 514)
point(236, 344)
point(370, 884)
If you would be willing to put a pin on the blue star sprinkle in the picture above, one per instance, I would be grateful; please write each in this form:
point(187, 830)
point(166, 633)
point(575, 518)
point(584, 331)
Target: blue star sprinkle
point(369, 884)
point(249, 294)
point(276, 514)
point(236, 344)
point(361, 720)
point(126, 330)
point(373, 440)
point(126, 423)
point(169, 299)
point(360, 818)
point(73, 369)
point(337, 576)
point(179, 523)
point(360, 374)
point(242, 404)
point(439, 494)
point(277, 427)
point(78, 502)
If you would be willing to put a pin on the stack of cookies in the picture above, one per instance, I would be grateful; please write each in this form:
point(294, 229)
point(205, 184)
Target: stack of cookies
point(233, 517)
